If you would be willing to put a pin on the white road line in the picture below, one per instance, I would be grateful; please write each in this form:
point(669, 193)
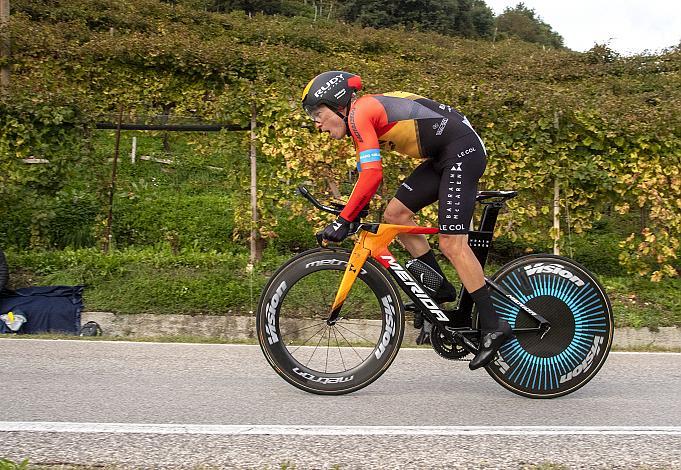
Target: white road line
point(140, 428)
point(246, 345)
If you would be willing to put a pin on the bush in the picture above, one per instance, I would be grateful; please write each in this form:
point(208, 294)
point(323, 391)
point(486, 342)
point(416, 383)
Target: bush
point(544, 115)
point(505, 250)
point(152, 280)
point(294, 234)
point(597, 252)
point(203, 222)
point(67, 220)
point(75, 213)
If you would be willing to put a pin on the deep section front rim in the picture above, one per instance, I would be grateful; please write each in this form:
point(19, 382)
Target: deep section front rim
point(321, 358)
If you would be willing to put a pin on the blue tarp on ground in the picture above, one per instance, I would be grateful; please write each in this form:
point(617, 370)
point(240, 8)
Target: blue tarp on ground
point(48, 309)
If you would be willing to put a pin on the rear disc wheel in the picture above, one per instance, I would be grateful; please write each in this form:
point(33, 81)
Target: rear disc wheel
point(577, 344)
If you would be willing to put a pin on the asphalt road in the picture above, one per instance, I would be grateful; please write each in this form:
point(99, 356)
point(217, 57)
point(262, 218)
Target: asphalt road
point(221, 406)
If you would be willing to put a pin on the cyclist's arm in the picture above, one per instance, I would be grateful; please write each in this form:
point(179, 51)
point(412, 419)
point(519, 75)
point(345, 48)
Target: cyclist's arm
point(368, 157)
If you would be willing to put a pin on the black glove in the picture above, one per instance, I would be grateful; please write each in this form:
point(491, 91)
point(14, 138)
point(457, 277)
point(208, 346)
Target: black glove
point(337, 231)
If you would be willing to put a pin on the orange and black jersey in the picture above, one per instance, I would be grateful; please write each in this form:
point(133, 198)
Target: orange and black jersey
point(404, 122)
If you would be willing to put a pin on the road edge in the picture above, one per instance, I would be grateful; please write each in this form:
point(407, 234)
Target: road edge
point(242, 328)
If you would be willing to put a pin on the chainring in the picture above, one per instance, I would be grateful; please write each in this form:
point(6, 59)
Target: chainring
point(444, 347)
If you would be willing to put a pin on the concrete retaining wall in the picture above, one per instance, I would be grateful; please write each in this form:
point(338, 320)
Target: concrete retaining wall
point(239, 328)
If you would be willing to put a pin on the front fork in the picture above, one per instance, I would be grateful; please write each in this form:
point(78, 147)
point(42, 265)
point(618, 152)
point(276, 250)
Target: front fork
point(357, 259)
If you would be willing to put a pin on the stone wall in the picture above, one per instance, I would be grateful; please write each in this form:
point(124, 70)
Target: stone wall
point(241, 328)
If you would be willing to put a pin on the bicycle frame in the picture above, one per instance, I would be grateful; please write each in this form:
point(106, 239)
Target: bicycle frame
point(374, 240)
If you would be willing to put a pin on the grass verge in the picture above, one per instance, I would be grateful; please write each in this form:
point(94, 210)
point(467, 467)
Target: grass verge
point(154, 280)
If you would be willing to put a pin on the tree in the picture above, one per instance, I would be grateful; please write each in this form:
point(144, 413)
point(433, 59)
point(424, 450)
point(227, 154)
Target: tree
point(270, 7)
point(482, 19)
point(469, 18)
point(525, 24)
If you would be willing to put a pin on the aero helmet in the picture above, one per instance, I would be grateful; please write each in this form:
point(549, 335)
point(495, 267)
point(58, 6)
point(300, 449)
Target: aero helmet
point(334, 89)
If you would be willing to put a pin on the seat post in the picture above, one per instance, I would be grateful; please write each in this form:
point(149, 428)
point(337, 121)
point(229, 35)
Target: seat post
point(489, 216)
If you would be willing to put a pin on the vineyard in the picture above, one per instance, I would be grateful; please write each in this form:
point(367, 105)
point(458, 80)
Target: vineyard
point(606, 129)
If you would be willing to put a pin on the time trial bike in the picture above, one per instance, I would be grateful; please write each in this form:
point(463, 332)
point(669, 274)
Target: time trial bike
point(331, 321)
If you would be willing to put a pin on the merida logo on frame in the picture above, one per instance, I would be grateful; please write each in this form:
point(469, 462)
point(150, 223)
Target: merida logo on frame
point(413, 285)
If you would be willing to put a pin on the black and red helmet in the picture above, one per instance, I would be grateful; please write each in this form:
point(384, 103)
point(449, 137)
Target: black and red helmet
point(334, 89)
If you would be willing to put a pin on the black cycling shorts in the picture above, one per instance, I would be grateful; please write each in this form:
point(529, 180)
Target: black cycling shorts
point(452, 179)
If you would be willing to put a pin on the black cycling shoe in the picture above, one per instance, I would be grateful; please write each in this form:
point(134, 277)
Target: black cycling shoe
point(418, 319)
point(490, 344)
point(446, 293)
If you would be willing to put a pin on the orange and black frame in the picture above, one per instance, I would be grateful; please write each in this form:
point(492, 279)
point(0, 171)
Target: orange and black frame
point(373, 241)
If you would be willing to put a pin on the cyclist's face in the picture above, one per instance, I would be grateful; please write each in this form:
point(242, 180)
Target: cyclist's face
point(327, 121)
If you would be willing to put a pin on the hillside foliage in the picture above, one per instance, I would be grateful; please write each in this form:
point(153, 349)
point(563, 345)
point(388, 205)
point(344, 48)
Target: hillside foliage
point(463, 18)
point(606, 127)
point(524, 23)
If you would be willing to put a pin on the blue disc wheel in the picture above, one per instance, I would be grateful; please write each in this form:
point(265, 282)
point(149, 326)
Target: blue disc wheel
point(577, 344)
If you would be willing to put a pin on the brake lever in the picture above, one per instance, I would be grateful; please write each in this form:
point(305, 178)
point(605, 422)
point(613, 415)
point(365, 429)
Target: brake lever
point(321, 241)
point(354, 228)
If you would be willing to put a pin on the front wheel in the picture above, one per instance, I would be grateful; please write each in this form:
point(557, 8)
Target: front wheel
point(329, 359)
point(578, 309)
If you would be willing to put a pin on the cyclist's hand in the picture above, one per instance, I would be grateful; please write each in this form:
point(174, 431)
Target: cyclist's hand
point(337, 231)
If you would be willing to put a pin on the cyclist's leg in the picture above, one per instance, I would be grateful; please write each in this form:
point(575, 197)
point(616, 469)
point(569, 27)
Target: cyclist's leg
point(463, 164)
point(420, 189)
point(398, 213)
point(457, 202)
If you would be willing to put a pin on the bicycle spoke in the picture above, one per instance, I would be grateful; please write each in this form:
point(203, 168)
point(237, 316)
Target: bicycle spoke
point(339, 348)
point(328, 340)
point(355, 322)
point(360, 323)
point(315, 334)
point(315, 349)
point(360, 336)
point(350, 344)
point(305, 328)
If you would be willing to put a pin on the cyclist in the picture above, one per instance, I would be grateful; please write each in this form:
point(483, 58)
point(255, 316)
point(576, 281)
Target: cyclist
point(455, 159)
